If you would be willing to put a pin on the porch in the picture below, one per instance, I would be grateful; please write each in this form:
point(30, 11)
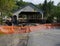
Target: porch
point(30, 17)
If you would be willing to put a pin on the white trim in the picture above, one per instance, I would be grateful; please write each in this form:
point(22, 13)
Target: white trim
point(42, 16)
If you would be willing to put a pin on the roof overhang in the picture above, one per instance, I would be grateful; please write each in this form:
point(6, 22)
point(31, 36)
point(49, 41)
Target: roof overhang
point(29, 13)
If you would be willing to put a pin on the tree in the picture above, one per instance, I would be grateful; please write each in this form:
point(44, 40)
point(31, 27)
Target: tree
point(6, 6)
point(55, 13)
point(21, 3)
point(58, 4)
point(50, 6)
point(45, 8)
point(50, 10)
point(40, 6)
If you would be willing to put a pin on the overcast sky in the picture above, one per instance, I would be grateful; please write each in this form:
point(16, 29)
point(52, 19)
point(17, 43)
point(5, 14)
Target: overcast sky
point(41, 1)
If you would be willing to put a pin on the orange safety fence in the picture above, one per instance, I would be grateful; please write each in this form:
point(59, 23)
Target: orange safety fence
point(14, 29)
point(25, 29)
point(44, 26)
point(21, 29)
point(6, 29)
point(49, 26)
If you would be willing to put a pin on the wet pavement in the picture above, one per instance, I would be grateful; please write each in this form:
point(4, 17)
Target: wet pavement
point(14, 40)
point(47, 37)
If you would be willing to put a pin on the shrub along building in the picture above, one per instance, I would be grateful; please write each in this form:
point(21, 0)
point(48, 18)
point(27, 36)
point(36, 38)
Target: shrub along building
point(29, 13)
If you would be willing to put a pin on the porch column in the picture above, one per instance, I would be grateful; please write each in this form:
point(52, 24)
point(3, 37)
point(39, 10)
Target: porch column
point(42, 16)
point(17, 17)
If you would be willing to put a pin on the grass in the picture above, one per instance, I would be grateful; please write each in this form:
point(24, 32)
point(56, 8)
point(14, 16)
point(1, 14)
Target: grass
point(1, 34)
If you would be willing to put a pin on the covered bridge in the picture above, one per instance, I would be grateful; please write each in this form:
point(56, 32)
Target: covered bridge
point(29, 13)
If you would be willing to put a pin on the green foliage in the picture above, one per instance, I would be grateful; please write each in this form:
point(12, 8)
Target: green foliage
point(49, 9)
point(58, 4)
point(6, 5)
point(21, 3)
point(56, 12)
